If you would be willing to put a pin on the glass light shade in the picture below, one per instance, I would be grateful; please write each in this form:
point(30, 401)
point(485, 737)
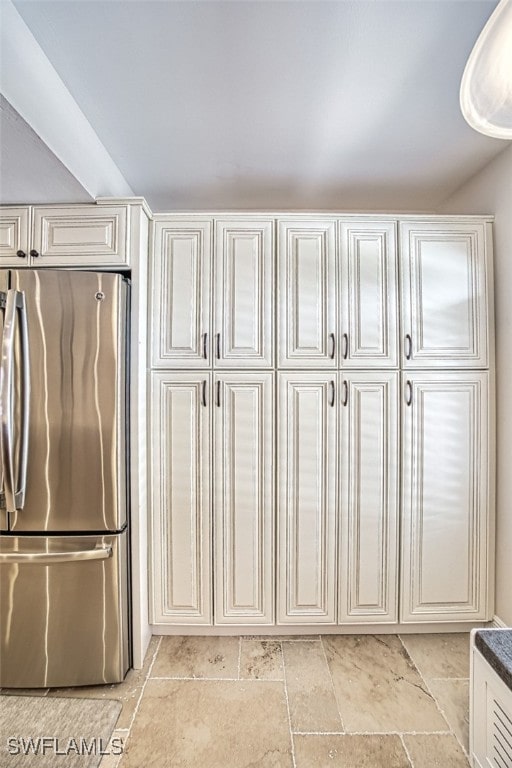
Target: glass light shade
point(486, 87)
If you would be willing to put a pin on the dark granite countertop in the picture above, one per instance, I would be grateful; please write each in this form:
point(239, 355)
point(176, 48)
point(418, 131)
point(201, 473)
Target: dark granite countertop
point(495, 645)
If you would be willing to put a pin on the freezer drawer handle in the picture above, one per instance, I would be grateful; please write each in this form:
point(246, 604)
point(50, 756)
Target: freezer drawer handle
point(48, 558)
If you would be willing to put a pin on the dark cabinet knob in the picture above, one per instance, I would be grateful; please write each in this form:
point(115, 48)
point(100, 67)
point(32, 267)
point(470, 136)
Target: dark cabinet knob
point(21, 254)
point(34, 254)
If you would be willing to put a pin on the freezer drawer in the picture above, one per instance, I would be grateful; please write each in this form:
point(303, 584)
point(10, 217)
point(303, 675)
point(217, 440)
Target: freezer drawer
point(63, 610)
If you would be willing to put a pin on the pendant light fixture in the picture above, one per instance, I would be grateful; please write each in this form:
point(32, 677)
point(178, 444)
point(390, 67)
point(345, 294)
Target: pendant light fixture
point(486, 87)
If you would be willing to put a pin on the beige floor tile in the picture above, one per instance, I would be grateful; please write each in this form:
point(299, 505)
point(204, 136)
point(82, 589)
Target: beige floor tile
point(378, 687)
point(128, 692)
point(453, 698)
point(198, 657)
point(349, 751)
point(261, 660)
point(441, 655)
point(210, 724)
point(435, 751)
point(311, 695)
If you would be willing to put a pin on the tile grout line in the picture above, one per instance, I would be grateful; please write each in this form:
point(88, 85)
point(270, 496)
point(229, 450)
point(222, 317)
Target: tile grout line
point(434, 697)
point(288, 707)
point(223, 679)
point(239, 654)
point(332, 683)
point(143, 688)
point(406, 750)
point(373, 733)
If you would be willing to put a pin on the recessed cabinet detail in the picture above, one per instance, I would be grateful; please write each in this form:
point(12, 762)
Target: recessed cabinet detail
point(321, 420)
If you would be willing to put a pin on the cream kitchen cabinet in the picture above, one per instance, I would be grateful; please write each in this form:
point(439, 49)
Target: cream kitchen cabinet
point(181, 280)
point(445, 274)
point(307, 485)
point(307, 294)
point(64, 236)
point(446, 511)
point(244, 498)
point(369, 500)
point(227, 420)
point(299, 477)
point(244, 293)
point(212, 309)
point(181, 497)
point(14, 235)
point(368, 294)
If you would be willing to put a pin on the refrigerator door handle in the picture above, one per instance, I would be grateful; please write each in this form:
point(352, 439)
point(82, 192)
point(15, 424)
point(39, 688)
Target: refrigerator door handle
point(14, 483)
point(25, 410)
point(48, 558)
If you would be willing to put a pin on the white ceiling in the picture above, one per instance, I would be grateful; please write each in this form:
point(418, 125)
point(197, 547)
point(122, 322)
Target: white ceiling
point(313, 104)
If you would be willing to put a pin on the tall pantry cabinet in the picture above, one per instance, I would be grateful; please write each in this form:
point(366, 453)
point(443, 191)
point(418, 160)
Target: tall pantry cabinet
point(321, 427)
point(213, 436)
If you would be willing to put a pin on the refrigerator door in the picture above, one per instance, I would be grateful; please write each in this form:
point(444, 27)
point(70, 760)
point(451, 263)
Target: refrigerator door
point(70, 594)
point(4, 287)
point(76, 478)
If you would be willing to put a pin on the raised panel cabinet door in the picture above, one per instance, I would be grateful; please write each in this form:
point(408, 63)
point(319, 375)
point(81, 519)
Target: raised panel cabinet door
point(369, 460)
point(307, 423)
point(181, 498)
point(445, 271)
point(80, 236)
point(307, 294)
point(244, 498)
point(244, 293)
point(445, 497)
point(14, 236)
point(368, 294)
point(180, 294)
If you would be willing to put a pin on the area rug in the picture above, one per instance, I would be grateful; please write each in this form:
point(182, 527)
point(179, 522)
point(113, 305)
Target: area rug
point(46, 732)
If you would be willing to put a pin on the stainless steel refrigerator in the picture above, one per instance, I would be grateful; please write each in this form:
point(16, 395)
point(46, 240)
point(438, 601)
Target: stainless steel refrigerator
point(64, 582)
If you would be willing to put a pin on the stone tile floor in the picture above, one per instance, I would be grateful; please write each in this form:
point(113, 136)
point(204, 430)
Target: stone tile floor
point(357, 701)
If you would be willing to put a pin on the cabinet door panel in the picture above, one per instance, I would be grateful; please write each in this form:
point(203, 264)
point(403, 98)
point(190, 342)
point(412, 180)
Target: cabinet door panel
point(80, 235)
point(244, 293)
point(244, 499)
point(445, 303)
point(307, 498)
point(369, 498)
point(369, 303)
point(180, 275)
point(445, 496)
point(14, 235)
point(181, 580)
point(307, 294)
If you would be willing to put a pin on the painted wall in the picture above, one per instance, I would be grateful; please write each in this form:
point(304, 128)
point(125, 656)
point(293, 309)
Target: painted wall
point(490, 191)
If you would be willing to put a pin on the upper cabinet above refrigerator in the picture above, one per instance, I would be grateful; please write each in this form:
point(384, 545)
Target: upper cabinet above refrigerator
point(64, 236)
point(445, 307)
